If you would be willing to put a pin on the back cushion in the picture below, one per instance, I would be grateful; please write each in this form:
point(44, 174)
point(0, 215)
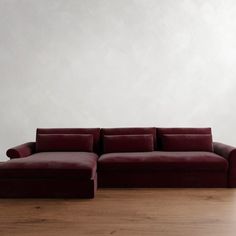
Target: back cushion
point(128, 143)
point(187, 142)
point(64, 142)
point(129, 131)
point(163, 141)
point(95, 132)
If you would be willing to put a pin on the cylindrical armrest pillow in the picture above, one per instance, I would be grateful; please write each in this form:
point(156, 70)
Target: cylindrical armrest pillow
point(64, 142)
point(128, 143)
point(187, 142)
point(22, 150)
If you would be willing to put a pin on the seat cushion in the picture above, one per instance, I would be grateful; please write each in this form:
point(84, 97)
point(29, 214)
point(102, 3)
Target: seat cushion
point(82, 165)
point(159, 160)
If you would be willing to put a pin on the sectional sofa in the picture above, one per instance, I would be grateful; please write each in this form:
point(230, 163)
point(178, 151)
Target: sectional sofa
point(73, 162)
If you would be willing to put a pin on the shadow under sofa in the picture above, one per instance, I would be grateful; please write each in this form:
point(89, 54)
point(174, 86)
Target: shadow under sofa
point(72, 162)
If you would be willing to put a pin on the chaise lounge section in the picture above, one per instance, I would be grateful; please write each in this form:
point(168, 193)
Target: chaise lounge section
point(61, 163)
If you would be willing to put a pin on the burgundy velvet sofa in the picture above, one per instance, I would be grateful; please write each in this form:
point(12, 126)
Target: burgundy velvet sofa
point(73, 162)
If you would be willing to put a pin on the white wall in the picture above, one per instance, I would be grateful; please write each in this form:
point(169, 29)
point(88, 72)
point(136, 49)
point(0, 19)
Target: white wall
point(110, 63)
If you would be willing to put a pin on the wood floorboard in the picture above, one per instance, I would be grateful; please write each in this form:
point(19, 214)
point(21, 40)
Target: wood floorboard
point(131, 212)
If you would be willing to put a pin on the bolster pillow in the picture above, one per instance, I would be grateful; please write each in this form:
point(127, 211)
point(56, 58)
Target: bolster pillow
point(128, 143)
point(64, 142)
point(22, 150)
point(187, 142)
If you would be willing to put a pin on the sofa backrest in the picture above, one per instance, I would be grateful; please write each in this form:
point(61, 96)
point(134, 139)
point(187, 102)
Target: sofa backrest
point(98, 134)
point(95, 132)
point(139, 135)
point(201, 136)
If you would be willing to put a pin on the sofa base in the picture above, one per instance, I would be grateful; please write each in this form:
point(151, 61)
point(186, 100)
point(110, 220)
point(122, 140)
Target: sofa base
point(165, 179)
point(47, 188)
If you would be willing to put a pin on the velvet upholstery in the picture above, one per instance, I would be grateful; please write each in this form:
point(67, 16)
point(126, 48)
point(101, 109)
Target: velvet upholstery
point(94, 131)
point(162, 179)
point(161, 131)
point(187, 142)
point(22, 150)
point(162, 161)
point(129, 131)
point(81, 165)
point(128, 143)
point(74, 173)
point(50, 174)
point(47, 188)
point(64, 142)
point(229, 153)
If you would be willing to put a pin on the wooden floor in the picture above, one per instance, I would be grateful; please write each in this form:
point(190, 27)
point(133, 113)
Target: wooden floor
point(131, 212)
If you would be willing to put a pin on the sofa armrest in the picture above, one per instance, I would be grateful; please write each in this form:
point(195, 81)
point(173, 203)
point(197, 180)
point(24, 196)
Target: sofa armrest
point(22, 150)
point(229, 153)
